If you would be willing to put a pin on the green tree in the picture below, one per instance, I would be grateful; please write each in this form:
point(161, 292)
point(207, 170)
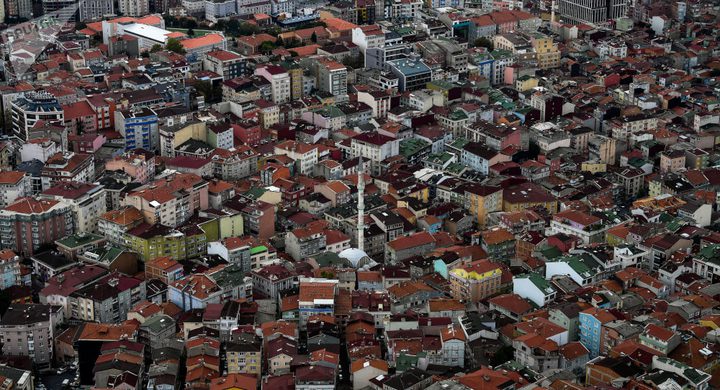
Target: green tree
point(266, 47)
point(174, 45)
point(156, 48)
point(313, 37)
point(191, 32)
point(246, 29)
point(503, 355)
point(233, 27)
point(190, 23)
point(212, 93)
point(483, 42)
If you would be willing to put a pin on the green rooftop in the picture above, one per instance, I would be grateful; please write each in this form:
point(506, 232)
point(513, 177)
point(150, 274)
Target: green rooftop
point(458, 115)
point(439, 158)
point(455, 168)
point(232, 275)
point(78, 240)
point(578, 265)
point(330, 111)
point(459, 143)
point(710, 253)
point(255, 193)
point(412, 146)
point(258, 249)
point(106, 254)
point(440, 84)
point(157, 324)
point(539, 282)
point(500, 54)
point(550, 252)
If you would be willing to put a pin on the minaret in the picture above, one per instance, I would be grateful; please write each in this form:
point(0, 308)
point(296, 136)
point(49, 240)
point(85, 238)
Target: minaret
point(552, 13)
point(361, 207)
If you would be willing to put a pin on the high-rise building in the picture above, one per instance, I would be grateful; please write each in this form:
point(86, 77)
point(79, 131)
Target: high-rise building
point(29, 223)
point(138, 7)
point(591, 11)
point(31, 108)
point(18, 9)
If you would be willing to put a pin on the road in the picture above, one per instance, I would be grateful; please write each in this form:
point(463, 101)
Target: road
point(54, 381)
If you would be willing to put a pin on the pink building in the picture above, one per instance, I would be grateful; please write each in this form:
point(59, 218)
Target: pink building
point(138, 163)
point(87, 143)
point(80, 117)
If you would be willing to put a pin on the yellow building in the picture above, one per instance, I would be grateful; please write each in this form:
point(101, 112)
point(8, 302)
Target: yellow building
point(173, 136)
point(483, 200)
point(528, 195)
point(525, 83)
point(475, 281)
point(231, 226)
point(244, 358)
point(185, 242)
point(548, 54)
point(593, 166)
point(711, 321)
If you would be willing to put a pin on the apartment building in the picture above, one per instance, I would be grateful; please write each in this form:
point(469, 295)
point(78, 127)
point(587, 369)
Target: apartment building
point(86, 200)
point(170, 200)
point(107, 300)
point(115, 223)
point(475, 281)
point(317, 297)
point(32, 107)
point(279, 80)
point(60, 167)
point(138, 164)
point(29, 223)
point(13, 185)
point(332, 78)
point(29, 330)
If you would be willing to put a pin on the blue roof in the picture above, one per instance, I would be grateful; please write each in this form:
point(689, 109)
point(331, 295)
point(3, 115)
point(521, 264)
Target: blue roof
point(410, 67)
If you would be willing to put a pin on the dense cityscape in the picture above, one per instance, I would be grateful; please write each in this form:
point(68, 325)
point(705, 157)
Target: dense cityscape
point(360, 194)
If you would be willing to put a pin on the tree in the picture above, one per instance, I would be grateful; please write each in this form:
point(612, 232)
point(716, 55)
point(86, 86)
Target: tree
point(212, 93)
point(483, 42)
point(354, 62)
point(191, 32)
point(313, 37)
point(190, 23)
point(233, 27)
point(246, 29)
point(174, 45)
point(266, 47)
point(280, 43)
point(503, 355)
point(156, 48)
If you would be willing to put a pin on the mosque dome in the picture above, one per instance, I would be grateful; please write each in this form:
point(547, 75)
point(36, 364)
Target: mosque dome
point(354, 255)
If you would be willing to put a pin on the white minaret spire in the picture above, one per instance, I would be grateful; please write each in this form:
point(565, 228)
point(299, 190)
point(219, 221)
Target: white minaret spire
point(361, 207)
point(552, 13)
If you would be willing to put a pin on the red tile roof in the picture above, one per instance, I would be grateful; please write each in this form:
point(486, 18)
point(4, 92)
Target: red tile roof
point(31, 206)
point(11, 177)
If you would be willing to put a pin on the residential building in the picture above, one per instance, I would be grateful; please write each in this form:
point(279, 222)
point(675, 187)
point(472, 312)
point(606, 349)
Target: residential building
point(13, 185)
point(475, 281)
point(29, 223)
point(170, 200)
point(86, 200)
point(107, 300)
point(534, 288)
point(29, 330)
point(591, 323)
point(32, 107)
